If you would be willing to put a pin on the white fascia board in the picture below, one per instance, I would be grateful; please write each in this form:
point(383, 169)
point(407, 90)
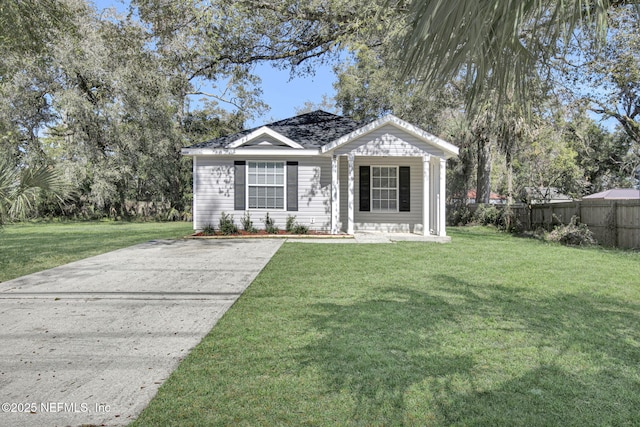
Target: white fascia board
point(256, 152)
point(265, 131)
point(449, 149)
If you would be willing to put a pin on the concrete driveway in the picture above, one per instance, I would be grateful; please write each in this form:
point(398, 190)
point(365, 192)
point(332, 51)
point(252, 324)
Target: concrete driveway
point(92, 341)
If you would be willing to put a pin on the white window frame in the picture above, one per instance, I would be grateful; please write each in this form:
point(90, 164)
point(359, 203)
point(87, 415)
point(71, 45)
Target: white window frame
point(283, 185)
point(397, 189)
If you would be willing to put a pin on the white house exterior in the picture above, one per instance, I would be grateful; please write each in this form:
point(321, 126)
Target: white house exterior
point(331, 173)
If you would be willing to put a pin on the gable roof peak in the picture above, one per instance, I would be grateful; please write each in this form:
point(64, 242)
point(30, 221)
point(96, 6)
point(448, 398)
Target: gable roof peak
point(316, 116)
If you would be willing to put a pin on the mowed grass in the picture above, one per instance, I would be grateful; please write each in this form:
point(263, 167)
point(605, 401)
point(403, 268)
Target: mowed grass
point(488, 330)
point(30, 247)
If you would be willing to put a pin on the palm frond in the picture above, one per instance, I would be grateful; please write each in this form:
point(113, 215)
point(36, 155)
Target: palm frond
point(495, 44)
point(21, 188)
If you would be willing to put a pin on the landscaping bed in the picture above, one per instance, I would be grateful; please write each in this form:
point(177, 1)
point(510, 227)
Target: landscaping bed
point(241, 234)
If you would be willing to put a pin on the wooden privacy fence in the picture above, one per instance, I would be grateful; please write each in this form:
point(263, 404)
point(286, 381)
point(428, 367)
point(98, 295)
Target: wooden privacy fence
point(612, 222)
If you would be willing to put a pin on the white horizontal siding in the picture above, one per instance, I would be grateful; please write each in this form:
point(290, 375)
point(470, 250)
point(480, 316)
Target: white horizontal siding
point(389, 141)
point(214, 188)
point(390, 222)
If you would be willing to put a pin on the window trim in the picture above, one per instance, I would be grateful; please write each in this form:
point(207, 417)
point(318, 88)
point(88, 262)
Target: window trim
point(283, 185)
point(397, 189)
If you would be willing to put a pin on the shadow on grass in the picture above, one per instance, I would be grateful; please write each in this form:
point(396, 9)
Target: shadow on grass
point(487, 355)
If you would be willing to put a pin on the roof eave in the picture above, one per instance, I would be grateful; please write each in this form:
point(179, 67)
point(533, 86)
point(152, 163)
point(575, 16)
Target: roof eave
point(224, 152)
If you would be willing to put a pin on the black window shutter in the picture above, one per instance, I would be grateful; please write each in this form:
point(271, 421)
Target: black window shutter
point(292, 186)
point(404, 175)
point(365, 188)
point(239, 184)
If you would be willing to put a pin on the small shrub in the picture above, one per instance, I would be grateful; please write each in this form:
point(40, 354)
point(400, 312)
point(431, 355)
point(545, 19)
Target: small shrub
point(572, 234)
point(459, 216)
point(173, 215)
point(270, 225)
point(299, 229)
point(510, 221)
point(295, 227)
point(247, 223)
point(208, 230)
point(291, 222)
point(488, 215)
point(226, 224)
point(503, 218)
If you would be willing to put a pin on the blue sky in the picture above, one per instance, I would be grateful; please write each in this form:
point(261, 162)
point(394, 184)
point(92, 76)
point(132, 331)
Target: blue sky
point(279, 91)
point(284, 95)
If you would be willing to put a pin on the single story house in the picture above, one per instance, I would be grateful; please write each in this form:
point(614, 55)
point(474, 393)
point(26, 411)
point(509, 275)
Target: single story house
point(494, 198)
point(541, 195)
point(616, 194)
point(332, 173)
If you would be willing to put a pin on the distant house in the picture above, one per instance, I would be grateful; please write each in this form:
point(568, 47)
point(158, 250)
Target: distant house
point(616, 194)
point(494, 198)
point(539, 195)
point(332, 173)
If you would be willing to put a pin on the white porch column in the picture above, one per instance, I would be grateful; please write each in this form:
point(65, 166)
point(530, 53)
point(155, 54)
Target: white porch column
point(350, 194)
point(443, 198)
point(194, 208)
point(335, 195)
point(426, 201)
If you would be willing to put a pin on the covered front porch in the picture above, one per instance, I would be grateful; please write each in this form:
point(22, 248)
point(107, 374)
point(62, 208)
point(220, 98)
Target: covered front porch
point(389, 176)
point(407, 196)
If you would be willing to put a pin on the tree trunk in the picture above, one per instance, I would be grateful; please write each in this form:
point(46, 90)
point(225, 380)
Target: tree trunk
point(508, 213)
point(483, 190)
point(509, 162)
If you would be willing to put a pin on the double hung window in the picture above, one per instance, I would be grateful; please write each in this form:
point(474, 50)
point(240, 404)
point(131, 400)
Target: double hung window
point(384, 188)
point(266, 185)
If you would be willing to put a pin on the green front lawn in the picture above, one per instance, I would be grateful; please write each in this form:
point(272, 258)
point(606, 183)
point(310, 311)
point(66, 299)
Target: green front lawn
point(488, 330)
point(27, 248)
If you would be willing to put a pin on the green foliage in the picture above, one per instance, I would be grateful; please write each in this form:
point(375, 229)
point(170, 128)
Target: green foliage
point(572, 234)
point(459, 215)
point(270, 224)
point(606, 76)
point(488, 215)
point(22, 188)
point(499, 45)
point(226, 224)
point(502, 217)
point(111, 99)
point(209, 230)
point(31, 28)
point(294, 227)
point(291, 220)
point(247, 223)
point(300, 229)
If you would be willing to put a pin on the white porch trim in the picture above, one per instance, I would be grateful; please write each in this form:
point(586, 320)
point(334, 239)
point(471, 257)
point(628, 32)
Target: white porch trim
point(442, 194)
point(335, 195)
point(426, 200)
point(351, 194)
point(194, 207)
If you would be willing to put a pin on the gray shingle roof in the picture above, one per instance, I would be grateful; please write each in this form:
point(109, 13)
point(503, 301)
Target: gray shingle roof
point(311, 130)
point(616, 193)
